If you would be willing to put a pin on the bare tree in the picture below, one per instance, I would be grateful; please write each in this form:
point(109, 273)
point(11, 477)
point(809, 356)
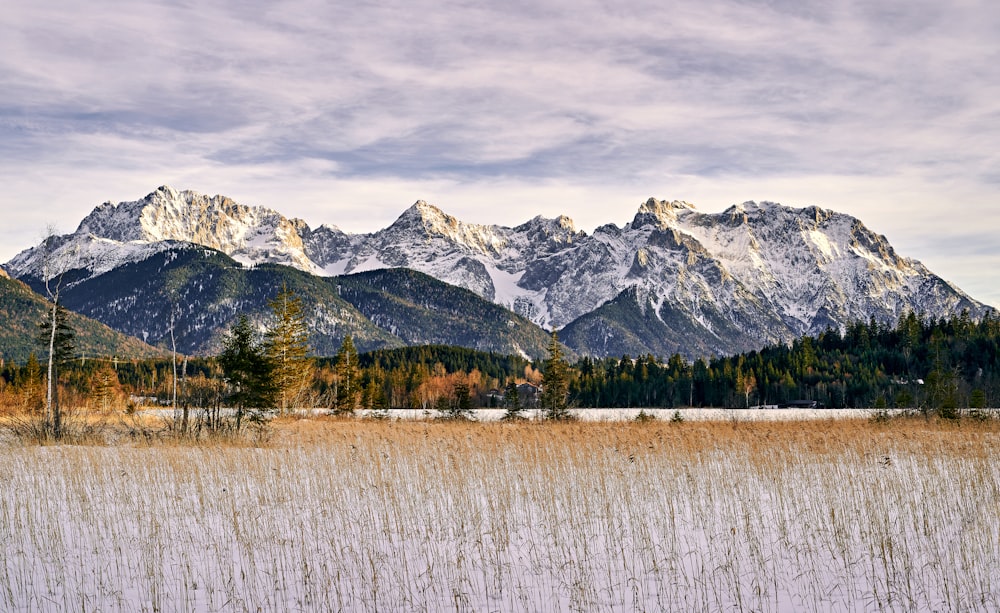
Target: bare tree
point(59, 335)
point(173, 287)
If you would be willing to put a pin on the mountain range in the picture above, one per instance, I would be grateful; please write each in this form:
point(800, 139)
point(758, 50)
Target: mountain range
point(671, 280)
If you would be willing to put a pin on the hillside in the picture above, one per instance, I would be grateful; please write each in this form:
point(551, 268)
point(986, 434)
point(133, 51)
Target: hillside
point(205, 291)
point(21, 312)
point(421, 310)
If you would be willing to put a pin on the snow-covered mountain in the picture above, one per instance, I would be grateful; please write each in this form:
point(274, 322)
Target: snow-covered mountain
point(751, 275)
point(489, 260)
point(760, 272)
point(115, 234)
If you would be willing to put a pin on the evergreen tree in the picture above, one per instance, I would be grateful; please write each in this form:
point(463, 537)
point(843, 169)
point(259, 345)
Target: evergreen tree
point(460, 406)
point(512, 400)
point(555, 382)
point(374, 397)
point(104, 386)
point(249, 373)
point(287, 344)
point(30, 383)
point(347, 378)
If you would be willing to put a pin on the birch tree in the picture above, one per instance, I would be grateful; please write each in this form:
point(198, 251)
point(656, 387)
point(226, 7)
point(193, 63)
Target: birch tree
point(57, 335)
point(60, 338)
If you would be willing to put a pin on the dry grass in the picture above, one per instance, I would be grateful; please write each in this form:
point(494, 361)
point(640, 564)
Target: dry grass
point(386, 516)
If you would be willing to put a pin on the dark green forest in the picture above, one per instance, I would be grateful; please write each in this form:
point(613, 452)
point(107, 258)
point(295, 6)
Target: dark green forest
point(917, 363)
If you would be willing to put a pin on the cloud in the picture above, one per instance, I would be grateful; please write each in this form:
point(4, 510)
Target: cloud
point(460, 88)
point(567, 107)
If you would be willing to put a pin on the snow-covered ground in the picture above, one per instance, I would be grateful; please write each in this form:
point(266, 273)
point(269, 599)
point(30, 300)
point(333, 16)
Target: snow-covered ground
point(431, 517)
point(663, 414)
point(602, 415)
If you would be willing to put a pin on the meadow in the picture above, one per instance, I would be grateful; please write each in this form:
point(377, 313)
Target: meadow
point(363, 515)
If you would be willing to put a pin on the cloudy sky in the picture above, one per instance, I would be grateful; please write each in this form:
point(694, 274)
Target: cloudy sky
point(347, 112)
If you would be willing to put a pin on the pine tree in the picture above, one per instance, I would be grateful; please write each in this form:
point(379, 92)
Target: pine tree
point(347, 378)
point(512, 400)
point(374, 398)
point(29, 383)
point(287, 347)
point(249, 373)
point(104, 386)
point(555, 382)
point(460, 406)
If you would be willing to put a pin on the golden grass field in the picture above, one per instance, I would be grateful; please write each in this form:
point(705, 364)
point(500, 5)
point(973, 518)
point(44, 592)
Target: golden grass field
point(360, 515)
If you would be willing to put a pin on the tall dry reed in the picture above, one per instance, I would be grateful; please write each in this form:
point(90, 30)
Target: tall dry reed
point(348, 515)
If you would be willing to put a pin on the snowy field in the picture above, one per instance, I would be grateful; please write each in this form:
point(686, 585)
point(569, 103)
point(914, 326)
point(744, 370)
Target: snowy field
point(425, 516)
point(664, 414)
point(610, 415)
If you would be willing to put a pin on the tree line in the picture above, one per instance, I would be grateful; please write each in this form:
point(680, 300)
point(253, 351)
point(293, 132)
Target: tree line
point(923, 363)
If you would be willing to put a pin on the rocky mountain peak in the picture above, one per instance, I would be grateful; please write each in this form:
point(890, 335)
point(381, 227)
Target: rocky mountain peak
point(659, 213)
point(427, 216)
point(764, 271)
point(559, 230)
point(330, 228)
point(165, 191)
point(114, 233)
point(737, 214)
point(164, 214)
point(652, 205)
point(425, 221)
point(566, 223)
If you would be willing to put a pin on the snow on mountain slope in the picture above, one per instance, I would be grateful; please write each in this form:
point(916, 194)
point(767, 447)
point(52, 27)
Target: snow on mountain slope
point(818, 267)
point(113, 234)
point(489, 260)
point(770, 271)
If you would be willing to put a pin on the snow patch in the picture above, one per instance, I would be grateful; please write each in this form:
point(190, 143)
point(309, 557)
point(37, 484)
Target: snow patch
point(822, 242)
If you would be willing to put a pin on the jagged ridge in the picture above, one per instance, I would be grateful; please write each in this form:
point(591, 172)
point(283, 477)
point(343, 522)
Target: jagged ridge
point(752, 274)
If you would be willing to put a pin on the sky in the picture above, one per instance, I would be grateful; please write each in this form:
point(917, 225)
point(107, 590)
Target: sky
point(345, 113)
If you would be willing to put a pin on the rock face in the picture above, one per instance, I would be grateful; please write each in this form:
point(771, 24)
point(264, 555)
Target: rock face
point(113, 234)
point(700, 283)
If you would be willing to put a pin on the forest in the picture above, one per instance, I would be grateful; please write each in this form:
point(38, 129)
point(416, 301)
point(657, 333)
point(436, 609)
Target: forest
point(917, 363)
